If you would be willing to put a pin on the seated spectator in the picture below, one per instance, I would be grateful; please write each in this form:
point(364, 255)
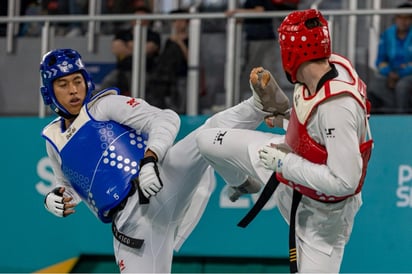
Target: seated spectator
point(391, 87)
point(122, 48)
point(167, 86)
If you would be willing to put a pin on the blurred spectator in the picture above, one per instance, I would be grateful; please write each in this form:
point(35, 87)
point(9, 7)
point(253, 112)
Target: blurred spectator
point(67, 7)
point(31, 7)
point(391, 87)
point(51, 7)
point(75, 7)
point(27, 7)
point(120, 77)
point(167, 86)
point(123, 7)
point(153, 40)
point(260, 47)
point(122, 48)
point(126, 6)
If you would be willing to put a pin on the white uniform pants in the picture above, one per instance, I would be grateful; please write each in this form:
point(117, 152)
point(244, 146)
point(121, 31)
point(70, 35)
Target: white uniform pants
point(159, 223)
point(322, 229)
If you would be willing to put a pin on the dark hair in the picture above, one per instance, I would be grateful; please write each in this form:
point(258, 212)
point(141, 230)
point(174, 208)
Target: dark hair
point(143, 9)
point(405, 5)
point(177, 11)
point(124, 35)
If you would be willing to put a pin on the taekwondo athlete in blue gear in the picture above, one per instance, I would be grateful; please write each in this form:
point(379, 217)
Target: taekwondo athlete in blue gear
point(58, 64)
point(116, 155)
point(90, 167)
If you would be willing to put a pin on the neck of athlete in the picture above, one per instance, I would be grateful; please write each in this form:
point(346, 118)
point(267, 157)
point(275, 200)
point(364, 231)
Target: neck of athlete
point(309, 74)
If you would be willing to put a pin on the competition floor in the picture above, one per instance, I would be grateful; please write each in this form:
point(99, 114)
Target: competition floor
point(106, 264)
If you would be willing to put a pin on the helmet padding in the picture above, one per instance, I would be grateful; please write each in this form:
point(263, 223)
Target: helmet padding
point(59, 63)
point(303, 36)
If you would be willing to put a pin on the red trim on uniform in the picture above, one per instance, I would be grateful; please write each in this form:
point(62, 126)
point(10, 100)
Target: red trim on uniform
point(327, 89)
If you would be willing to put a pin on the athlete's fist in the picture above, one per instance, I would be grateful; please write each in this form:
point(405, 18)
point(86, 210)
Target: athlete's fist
point(149, 181)
point(272, 157)
point(57, 204)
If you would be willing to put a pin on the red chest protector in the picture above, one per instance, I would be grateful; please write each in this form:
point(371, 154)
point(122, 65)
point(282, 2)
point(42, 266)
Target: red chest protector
point(297, 136)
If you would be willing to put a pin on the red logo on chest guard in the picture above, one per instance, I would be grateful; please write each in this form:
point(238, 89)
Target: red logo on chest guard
point(121, 265)
point(132, 102)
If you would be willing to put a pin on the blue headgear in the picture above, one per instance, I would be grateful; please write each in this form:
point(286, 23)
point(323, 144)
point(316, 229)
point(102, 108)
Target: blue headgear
point(58, 63)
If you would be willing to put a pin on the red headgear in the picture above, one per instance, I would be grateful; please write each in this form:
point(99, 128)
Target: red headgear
point(302, 39)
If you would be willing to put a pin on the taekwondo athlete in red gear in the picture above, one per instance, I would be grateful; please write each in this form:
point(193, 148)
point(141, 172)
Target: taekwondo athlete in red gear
point(321, 161)
point(116, 154)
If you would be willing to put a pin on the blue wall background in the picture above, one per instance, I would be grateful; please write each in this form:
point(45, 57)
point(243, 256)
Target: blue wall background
point(32, 239)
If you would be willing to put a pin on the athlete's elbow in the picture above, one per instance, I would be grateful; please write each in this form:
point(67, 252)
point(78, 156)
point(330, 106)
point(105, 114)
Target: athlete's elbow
point(346, 188)
point(202, 140)
point(171, 118)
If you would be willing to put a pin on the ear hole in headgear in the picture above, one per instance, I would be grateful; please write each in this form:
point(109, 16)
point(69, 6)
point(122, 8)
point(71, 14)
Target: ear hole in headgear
point(71, 55)
point(52, 61)
point(313, 23)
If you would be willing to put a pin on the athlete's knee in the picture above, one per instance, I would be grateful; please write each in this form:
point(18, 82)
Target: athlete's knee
point(204, 139)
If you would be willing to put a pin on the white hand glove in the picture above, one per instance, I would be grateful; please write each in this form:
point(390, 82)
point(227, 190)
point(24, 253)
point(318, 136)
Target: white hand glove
point(149, 180)
point(272, 158)
point(54, 202)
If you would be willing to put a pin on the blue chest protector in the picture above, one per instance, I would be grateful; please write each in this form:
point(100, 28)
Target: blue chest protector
point(99, 159)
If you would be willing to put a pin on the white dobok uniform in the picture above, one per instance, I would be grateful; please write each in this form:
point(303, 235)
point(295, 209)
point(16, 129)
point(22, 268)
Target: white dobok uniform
point(339, 124)
point(188, 180)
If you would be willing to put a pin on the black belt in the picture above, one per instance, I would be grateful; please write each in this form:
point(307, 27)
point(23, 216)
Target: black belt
point(126, 240)
point(264, 197)
point(293, 266)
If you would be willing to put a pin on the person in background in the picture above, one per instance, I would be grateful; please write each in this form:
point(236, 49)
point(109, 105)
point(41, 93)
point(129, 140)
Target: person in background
point(318, 167)
point(75, 7)
point(67, 7)
point(153, 40)
point(31, 8)
point(167, 86)
point(124, 7)
point(260, 39)
point(122, 49)
point(117, 155)
point(390, 90)
point(121, 76)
